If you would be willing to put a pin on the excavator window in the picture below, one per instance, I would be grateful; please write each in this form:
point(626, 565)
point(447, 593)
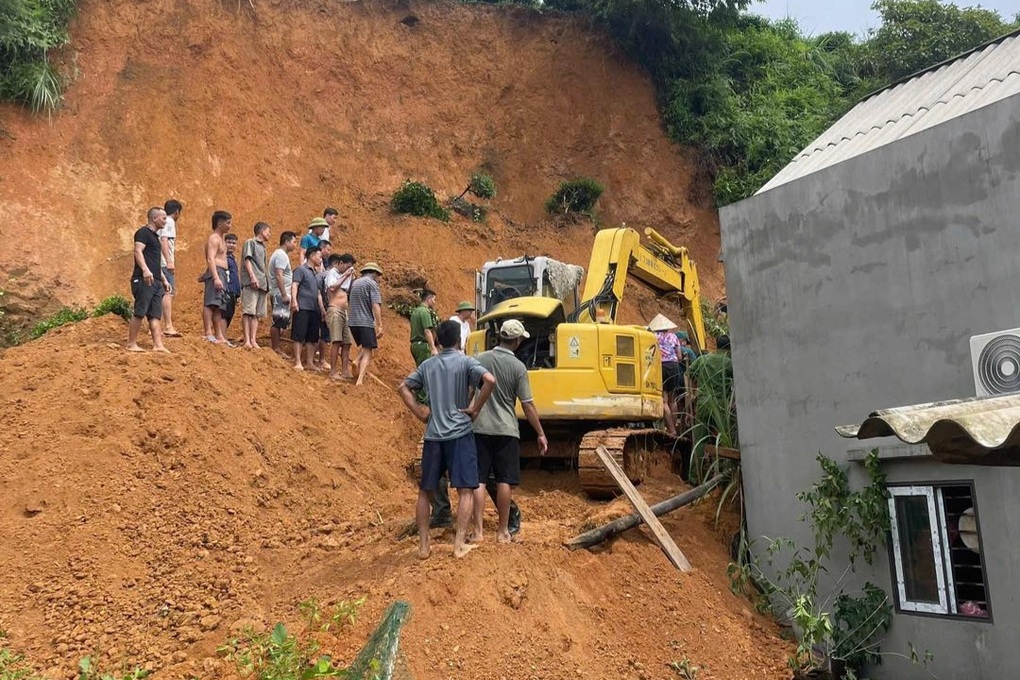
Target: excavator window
point(506, 283)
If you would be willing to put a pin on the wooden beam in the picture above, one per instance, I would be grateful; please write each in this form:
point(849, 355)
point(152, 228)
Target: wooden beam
point(618, 526)
point(659, 532)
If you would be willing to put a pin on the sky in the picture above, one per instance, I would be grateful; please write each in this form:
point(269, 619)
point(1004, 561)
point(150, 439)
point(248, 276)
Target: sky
point(821, 16)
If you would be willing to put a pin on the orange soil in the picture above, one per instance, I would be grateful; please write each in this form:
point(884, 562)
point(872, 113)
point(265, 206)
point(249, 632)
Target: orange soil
point(152, 505)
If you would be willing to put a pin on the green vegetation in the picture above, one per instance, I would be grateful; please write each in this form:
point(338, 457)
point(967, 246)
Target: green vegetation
point(64, 315)
point(415, 198)
point(14, 667)
point(115, 304)
point(12, 334)
point(684, 669)
point(29, 30)
point(279, 655)
point(797, 583)
point(88, 671)
point(482, 186)
point(752, 93)
point(344, 613)
point(576, 196)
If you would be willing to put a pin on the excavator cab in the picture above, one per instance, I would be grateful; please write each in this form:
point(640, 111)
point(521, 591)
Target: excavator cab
point(501, 280)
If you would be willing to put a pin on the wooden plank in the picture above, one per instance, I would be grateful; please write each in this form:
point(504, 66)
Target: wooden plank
point(658, 531)
point(722, 452)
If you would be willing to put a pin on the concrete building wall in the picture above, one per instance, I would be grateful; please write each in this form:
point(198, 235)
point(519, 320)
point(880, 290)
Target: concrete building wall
point(858, 287)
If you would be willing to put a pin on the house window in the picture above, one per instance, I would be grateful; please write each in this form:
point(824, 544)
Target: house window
point(936, 549)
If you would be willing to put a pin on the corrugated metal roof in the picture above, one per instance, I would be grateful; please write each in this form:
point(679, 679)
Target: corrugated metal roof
point(975, 79)
point(976, 431)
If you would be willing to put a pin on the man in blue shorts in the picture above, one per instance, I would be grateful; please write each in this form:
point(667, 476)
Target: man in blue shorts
point(449, 442)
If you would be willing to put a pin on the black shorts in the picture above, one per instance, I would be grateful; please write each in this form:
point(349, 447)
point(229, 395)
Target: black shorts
point(364, 336)
point(148, 298)
point(456, 456)
point(672, 378)
point(499, 455)
point(306, 326)
point(229, 307)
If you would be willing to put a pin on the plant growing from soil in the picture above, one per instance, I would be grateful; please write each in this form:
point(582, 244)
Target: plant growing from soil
point(847, 626)
point(685, 669)
point(63, 316)
point(87, 670)
point(576, 196)
point(115, 304)
point(468, 209)
point(14, 667)
point(29, 30)
point(415, 198)
point(482, 186)
point(278, 655)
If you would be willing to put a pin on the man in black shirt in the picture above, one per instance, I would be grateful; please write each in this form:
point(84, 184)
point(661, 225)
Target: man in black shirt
point(148, 283)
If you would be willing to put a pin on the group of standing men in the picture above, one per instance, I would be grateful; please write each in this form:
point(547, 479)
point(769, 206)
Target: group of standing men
point(472, 436)
point(324, 304)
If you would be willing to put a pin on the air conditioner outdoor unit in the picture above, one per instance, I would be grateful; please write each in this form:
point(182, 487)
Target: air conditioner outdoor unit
point(996, 361)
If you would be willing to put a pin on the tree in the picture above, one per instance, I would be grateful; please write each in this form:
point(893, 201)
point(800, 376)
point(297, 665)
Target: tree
point(916, 34)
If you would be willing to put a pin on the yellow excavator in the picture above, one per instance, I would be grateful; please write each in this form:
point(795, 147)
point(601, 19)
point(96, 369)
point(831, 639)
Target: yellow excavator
point(595, 382)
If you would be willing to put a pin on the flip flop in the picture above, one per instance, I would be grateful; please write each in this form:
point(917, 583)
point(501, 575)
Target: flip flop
point(173, 335)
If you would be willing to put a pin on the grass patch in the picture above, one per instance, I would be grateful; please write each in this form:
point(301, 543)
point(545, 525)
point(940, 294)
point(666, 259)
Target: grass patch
point(29, 30)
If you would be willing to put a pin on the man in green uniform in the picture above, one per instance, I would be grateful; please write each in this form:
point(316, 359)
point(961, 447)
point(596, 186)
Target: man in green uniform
point(423, 328)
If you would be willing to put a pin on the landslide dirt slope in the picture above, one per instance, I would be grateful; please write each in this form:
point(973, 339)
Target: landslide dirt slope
point(276, 113)
point(151, 506)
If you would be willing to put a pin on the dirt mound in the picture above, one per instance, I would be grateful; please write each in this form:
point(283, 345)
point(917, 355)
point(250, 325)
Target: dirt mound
point(152, 505)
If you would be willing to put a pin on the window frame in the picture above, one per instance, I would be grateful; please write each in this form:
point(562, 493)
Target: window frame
point(948, 605)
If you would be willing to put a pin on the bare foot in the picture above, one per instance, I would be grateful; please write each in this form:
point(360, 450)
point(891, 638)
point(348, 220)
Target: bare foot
point(161, 348)
point(255, 345)
point(347, 376)
point(134, 348)
point(475, 537)
point(247, 346)
point(299, 368)
point(463, 550)
point(359, 383)
point(284, 355)
point(424, 550)
point(504, 537)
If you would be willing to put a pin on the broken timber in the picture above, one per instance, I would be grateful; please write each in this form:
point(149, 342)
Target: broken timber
point(618, 526)
point(658, 531)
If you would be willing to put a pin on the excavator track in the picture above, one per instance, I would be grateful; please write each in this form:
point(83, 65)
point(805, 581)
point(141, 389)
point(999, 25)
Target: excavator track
point(628, 447)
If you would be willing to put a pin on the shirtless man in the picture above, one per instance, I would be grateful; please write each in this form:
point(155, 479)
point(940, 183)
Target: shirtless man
point(215, 278)
point(338, 282)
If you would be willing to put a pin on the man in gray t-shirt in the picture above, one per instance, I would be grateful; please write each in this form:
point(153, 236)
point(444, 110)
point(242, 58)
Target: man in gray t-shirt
point(497, 432)
point(364, 316)
point(449, 443)
point(280, 278)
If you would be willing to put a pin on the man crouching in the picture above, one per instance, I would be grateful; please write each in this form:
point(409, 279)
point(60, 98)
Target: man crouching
point(449, 444)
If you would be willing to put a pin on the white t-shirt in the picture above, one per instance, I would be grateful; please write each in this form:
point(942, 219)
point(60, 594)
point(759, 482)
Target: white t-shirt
point(169, 231)
point(465, 331)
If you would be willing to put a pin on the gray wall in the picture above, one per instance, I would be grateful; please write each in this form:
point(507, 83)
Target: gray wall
point(856, 288)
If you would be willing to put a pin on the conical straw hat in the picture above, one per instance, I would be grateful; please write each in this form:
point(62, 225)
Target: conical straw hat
point(661, 323)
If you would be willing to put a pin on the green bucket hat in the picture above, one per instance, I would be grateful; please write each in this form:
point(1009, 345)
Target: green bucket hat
point(465, 307)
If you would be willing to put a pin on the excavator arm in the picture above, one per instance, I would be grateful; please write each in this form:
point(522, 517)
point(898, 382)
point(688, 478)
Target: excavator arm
point(663, 267)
